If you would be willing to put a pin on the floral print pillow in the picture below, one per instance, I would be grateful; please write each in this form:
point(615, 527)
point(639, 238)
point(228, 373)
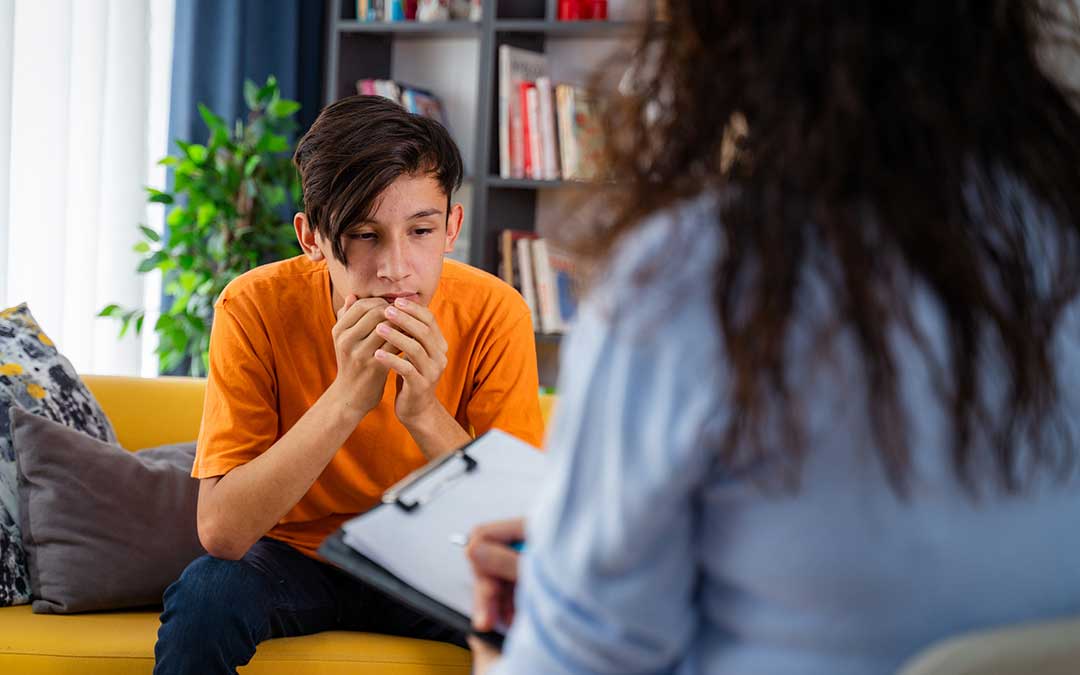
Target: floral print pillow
point(35, 377)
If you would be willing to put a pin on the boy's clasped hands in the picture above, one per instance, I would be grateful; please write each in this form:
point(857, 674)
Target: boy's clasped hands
point(372, 337)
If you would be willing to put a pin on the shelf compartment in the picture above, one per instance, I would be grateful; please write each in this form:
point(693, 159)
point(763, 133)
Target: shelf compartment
point(569, 29)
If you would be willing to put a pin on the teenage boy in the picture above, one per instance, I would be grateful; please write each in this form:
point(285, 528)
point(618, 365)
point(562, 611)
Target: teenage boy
point(332, 376)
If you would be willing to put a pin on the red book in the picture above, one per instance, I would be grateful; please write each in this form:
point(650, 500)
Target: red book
point(527, 127)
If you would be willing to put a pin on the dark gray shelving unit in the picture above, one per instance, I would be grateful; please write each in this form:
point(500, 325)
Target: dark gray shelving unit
point(357, 50)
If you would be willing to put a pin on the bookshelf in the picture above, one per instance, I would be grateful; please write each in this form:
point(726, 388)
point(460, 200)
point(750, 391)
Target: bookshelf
point(458, 61)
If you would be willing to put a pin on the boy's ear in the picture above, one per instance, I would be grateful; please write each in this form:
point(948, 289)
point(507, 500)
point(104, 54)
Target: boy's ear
point(453, 226)
point(308, 238)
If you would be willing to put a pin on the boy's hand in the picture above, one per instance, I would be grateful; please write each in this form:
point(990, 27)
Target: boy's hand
point(411, 329)
point(361, 378)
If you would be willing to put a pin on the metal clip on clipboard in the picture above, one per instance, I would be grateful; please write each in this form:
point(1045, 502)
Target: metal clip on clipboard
point(402, 491)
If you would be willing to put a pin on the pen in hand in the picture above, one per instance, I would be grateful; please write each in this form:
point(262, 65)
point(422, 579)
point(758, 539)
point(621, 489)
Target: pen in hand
point(463, 541)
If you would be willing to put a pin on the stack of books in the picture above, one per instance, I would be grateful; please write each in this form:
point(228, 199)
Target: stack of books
point(413, 99)
point(418, 10)
point(546, 131)
point(543, 275)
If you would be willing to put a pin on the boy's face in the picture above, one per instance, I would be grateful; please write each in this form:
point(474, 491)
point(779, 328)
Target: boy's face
point(399, 251)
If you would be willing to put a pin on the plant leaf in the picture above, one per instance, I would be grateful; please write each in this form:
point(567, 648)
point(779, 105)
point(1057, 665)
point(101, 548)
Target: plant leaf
point(109, 310)
point(159, 197)
point(283, 108)
point(213, 122)
point(151, 262)
point(149, 233)
point(251, 94)
point(206, 213)
point(196, 153)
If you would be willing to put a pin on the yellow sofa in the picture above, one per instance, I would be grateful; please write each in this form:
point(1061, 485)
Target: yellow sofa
point(150, 412)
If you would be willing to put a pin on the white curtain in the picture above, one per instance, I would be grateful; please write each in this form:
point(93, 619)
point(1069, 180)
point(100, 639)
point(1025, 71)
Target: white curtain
point(83, 112)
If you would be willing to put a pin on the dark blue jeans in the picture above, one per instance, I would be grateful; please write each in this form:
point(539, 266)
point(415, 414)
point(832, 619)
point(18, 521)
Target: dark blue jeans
point(218, 611)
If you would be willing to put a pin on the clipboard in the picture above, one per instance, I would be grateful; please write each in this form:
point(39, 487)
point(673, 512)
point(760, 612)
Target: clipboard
point(406, 550)
point(360, 566)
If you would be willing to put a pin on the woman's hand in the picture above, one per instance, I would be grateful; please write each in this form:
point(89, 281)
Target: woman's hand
point(495, 564)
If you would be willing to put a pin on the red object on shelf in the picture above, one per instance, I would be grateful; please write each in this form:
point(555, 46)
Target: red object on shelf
point(598, 10)
point(569, 10)
point(410, 10)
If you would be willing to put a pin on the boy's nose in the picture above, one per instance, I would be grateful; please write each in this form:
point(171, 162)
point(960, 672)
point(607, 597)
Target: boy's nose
point(392, 264)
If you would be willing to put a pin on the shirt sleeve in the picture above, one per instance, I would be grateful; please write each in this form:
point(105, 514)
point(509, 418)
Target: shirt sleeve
point(608, 578)
point(506, 385)
point(240, 413)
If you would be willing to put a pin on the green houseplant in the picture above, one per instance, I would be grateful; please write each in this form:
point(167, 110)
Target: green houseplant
point(229, 211)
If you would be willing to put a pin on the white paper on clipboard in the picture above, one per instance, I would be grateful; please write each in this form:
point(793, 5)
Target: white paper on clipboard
point(417, 545)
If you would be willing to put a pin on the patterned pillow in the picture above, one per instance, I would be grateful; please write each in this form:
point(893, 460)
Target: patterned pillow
point(35, 377)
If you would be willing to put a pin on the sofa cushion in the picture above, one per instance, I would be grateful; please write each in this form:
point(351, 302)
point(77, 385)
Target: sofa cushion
point(122, 643)
point(34, 376)
point(103, 528)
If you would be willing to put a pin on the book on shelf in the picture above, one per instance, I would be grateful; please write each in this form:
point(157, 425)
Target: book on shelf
point(543, 274)
point(534, 144)
point(547, 298)
point(546, 124)
point(515, 265)
point(582, 10)
point(414, 99)
point(524, 252)
point(515, 67)
point(579, 133)
point(566, 285)
point(424, 11)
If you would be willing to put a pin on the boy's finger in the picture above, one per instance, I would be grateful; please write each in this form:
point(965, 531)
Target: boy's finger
point(350, 313)
point(407, 345)
point(424, 315)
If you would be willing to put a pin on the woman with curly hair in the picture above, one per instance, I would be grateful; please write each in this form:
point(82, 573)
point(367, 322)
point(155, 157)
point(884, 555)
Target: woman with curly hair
point(819, 409)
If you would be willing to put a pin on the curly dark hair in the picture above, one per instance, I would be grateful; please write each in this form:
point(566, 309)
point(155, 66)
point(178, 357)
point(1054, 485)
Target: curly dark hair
point(872, 143)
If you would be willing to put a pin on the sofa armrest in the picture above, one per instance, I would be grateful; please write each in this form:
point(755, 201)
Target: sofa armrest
point(147, 412)
point(547, 407)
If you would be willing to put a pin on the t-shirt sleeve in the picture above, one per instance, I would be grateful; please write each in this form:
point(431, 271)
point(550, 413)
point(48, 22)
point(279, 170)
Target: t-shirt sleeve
point(240, 418)
point(506, 386)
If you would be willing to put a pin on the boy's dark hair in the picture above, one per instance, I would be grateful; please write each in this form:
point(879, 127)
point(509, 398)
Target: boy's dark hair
point(356, 148)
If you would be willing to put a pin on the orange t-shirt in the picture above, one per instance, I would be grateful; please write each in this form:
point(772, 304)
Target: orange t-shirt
point(272, 356)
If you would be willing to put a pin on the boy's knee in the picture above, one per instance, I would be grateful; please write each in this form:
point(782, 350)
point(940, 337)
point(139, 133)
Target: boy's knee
point(214, 604)
point(212, 586)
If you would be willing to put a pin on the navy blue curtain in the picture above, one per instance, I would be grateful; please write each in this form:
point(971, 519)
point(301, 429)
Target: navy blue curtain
point(220, 43)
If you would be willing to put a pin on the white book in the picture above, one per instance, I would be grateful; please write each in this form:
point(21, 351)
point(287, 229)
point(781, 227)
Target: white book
point(547, 128)
point(564, 99)
point(528, 286)
point(536, 143)
point(547, 294)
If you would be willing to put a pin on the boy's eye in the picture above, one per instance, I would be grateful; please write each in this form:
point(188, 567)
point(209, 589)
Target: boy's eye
point(363, 236)
point(424, 230)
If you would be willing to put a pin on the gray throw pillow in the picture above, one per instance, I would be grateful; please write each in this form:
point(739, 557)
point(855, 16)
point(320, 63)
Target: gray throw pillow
point(34, 376)
point(103, 528)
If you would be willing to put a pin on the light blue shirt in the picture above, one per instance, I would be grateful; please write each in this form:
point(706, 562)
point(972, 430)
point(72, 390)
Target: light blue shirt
point(645, 556)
